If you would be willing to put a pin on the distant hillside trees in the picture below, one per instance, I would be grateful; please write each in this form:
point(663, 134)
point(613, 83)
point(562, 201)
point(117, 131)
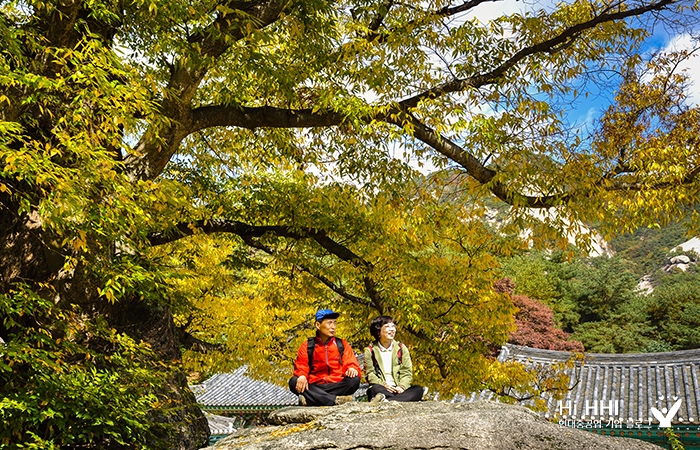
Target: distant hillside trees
point(647, 248)
point(596, 300)
point(674, 310)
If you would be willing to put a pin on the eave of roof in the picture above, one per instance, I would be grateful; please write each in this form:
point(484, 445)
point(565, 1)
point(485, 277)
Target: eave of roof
point(621, 386)
point(236, 390)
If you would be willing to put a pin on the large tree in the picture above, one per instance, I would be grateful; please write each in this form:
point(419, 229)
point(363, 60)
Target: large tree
point(270, 145)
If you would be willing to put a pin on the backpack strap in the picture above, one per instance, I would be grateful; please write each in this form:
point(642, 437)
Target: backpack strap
point(377, 370)
point(341, 349)
point(311, 346)
point(399, 353)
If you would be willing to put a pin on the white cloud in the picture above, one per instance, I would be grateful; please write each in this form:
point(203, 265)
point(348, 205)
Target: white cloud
point(691, 66)
point(490, 10)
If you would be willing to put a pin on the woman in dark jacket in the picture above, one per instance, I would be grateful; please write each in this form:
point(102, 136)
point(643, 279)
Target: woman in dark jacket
point(388, 365)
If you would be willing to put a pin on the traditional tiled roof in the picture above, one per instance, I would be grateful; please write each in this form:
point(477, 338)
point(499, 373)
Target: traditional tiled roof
point(621, 386)
point(237, 391)
point(220, 425)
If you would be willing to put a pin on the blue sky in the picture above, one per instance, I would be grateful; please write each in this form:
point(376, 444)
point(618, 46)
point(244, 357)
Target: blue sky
point(590, 108)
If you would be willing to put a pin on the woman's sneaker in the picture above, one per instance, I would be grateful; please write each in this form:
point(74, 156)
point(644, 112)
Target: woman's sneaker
point(378, 398)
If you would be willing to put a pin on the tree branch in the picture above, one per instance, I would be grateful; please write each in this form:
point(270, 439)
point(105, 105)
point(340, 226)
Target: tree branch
point(378, 19)
point(549, 46)
point(285, 118)
point(439, 360)
point(159, 144)
point(259, 14)
point(245, 230)
point(248, 232)
point(373, 35)
point(472, 165)
point(192, 343)
point(221, 226)
point(262, 117)
point(338, 289)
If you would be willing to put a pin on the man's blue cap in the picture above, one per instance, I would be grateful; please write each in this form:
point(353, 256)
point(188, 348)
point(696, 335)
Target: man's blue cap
point(325, 314)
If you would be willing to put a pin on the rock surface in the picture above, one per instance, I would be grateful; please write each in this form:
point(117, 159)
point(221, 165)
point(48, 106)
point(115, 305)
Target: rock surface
point(424, 425)
point(680, 259)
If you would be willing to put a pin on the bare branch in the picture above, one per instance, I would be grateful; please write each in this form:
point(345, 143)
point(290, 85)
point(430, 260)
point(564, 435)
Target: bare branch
point(447, 11)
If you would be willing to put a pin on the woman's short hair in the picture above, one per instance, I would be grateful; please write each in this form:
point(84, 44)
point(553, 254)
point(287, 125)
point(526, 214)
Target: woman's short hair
point(377, 324)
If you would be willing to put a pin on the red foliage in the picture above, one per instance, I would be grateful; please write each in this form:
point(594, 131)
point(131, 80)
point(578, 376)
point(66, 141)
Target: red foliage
point(504, 286)
point(535, 322)
point(536, 328)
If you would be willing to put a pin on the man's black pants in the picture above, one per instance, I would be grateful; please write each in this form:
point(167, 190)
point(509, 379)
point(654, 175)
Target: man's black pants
point(325, 394)
point(412, 394)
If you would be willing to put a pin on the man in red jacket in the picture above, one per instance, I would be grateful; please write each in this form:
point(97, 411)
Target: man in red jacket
point(332, 374)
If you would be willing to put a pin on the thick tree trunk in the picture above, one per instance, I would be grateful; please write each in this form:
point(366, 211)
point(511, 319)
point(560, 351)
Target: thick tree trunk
point(153, 323)
point(31, 259)
point(26, 257)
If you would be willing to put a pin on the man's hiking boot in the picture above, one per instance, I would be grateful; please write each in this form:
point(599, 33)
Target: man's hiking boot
point(302, 400)
point(340, 399)
point(378, 398)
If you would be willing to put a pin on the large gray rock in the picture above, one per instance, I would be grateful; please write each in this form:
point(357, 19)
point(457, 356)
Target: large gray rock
point(424, 425)
point(680, 259)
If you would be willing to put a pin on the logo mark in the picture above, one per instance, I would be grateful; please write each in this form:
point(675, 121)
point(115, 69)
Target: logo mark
point(665, 421)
